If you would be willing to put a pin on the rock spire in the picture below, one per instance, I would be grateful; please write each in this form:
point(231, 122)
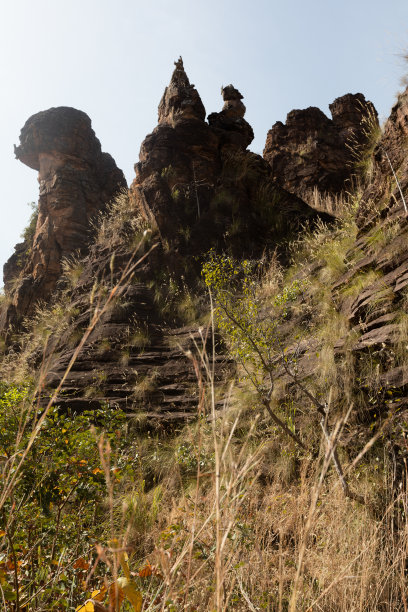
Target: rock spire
point(180, 101)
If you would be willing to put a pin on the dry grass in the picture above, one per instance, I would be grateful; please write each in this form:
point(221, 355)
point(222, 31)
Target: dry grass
point(231, 514)
point(228, 540)
point(121, 224)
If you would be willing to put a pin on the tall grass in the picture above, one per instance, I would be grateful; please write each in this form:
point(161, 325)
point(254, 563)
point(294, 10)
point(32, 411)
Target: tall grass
point(229, 513)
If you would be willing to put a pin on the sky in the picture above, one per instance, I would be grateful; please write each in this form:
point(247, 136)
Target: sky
point(113, 59)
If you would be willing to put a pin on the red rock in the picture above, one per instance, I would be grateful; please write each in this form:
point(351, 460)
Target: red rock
point(76, 182)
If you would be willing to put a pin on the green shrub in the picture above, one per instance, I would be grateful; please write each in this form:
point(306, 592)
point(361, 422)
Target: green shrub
point(55, 510)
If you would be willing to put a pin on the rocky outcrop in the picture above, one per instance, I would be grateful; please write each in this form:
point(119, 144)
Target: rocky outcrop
point(197, 186)
point(384, 193)
point(378, 312)
point(201, 187)
point(313, 156)
point(76, 182)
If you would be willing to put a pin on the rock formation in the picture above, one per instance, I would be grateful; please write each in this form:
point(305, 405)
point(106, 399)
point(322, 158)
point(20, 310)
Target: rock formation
point(180, 100)
point(198, 183)
point(76, 182)
point(230, 124)
point(197, 186)
point(178, 168)
point(382, 244)
point(193, 182)
point(312, 155)
point(372, 292)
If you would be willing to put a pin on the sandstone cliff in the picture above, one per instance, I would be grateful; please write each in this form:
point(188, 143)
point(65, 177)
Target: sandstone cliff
point(196, 186)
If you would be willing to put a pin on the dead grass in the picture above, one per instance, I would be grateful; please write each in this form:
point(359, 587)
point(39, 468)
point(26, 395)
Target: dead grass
point(121, 224)
point(231, 514)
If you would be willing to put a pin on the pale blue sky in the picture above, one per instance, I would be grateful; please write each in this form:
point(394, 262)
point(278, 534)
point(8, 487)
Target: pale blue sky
point(113, 58)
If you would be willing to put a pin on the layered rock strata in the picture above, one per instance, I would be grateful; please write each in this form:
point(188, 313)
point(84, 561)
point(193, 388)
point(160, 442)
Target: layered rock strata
point(387, 168)
point(197, 186)
point(379, 313)
point(77, 180)
point(372, 293)
point(137, 358)
point(313, 156)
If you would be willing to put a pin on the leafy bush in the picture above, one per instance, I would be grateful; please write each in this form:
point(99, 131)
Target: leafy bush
point(61, 480)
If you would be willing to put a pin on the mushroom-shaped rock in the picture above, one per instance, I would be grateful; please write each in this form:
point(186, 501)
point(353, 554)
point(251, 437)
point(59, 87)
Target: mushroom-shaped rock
point(230, 124)
point(76, 181)
point(180, 101)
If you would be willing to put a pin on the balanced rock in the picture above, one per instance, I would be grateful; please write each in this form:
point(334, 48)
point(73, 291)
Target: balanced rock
point(230, 123)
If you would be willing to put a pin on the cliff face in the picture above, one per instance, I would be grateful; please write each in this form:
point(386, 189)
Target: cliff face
point(370, 293)
point(197, 186)
point(76, 182)
point(379, 310)
point(382, 196)
point(312, 155)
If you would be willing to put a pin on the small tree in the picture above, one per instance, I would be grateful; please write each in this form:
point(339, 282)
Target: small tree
point(255, 340)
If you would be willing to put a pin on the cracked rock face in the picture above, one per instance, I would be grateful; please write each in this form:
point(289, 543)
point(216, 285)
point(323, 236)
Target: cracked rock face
point(312, 155)
point(382, 197)
point(76, 180)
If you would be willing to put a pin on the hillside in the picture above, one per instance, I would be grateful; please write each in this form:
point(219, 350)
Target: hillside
point(207, 371)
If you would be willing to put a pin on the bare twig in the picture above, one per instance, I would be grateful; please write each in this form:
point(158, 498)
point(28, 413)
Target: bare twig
point(397, 181)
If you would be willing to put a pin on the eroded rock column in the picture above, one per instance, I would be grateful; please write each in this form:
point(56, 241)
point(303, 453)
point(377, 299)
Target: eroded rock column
point(77, 180)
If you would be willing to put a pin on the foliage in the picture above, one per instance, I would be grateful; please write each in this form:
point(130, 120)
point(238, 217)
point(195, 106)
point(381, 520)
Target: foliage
point(28, 235)
point(61, 479)
point(123, 588)
point(251, 329)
